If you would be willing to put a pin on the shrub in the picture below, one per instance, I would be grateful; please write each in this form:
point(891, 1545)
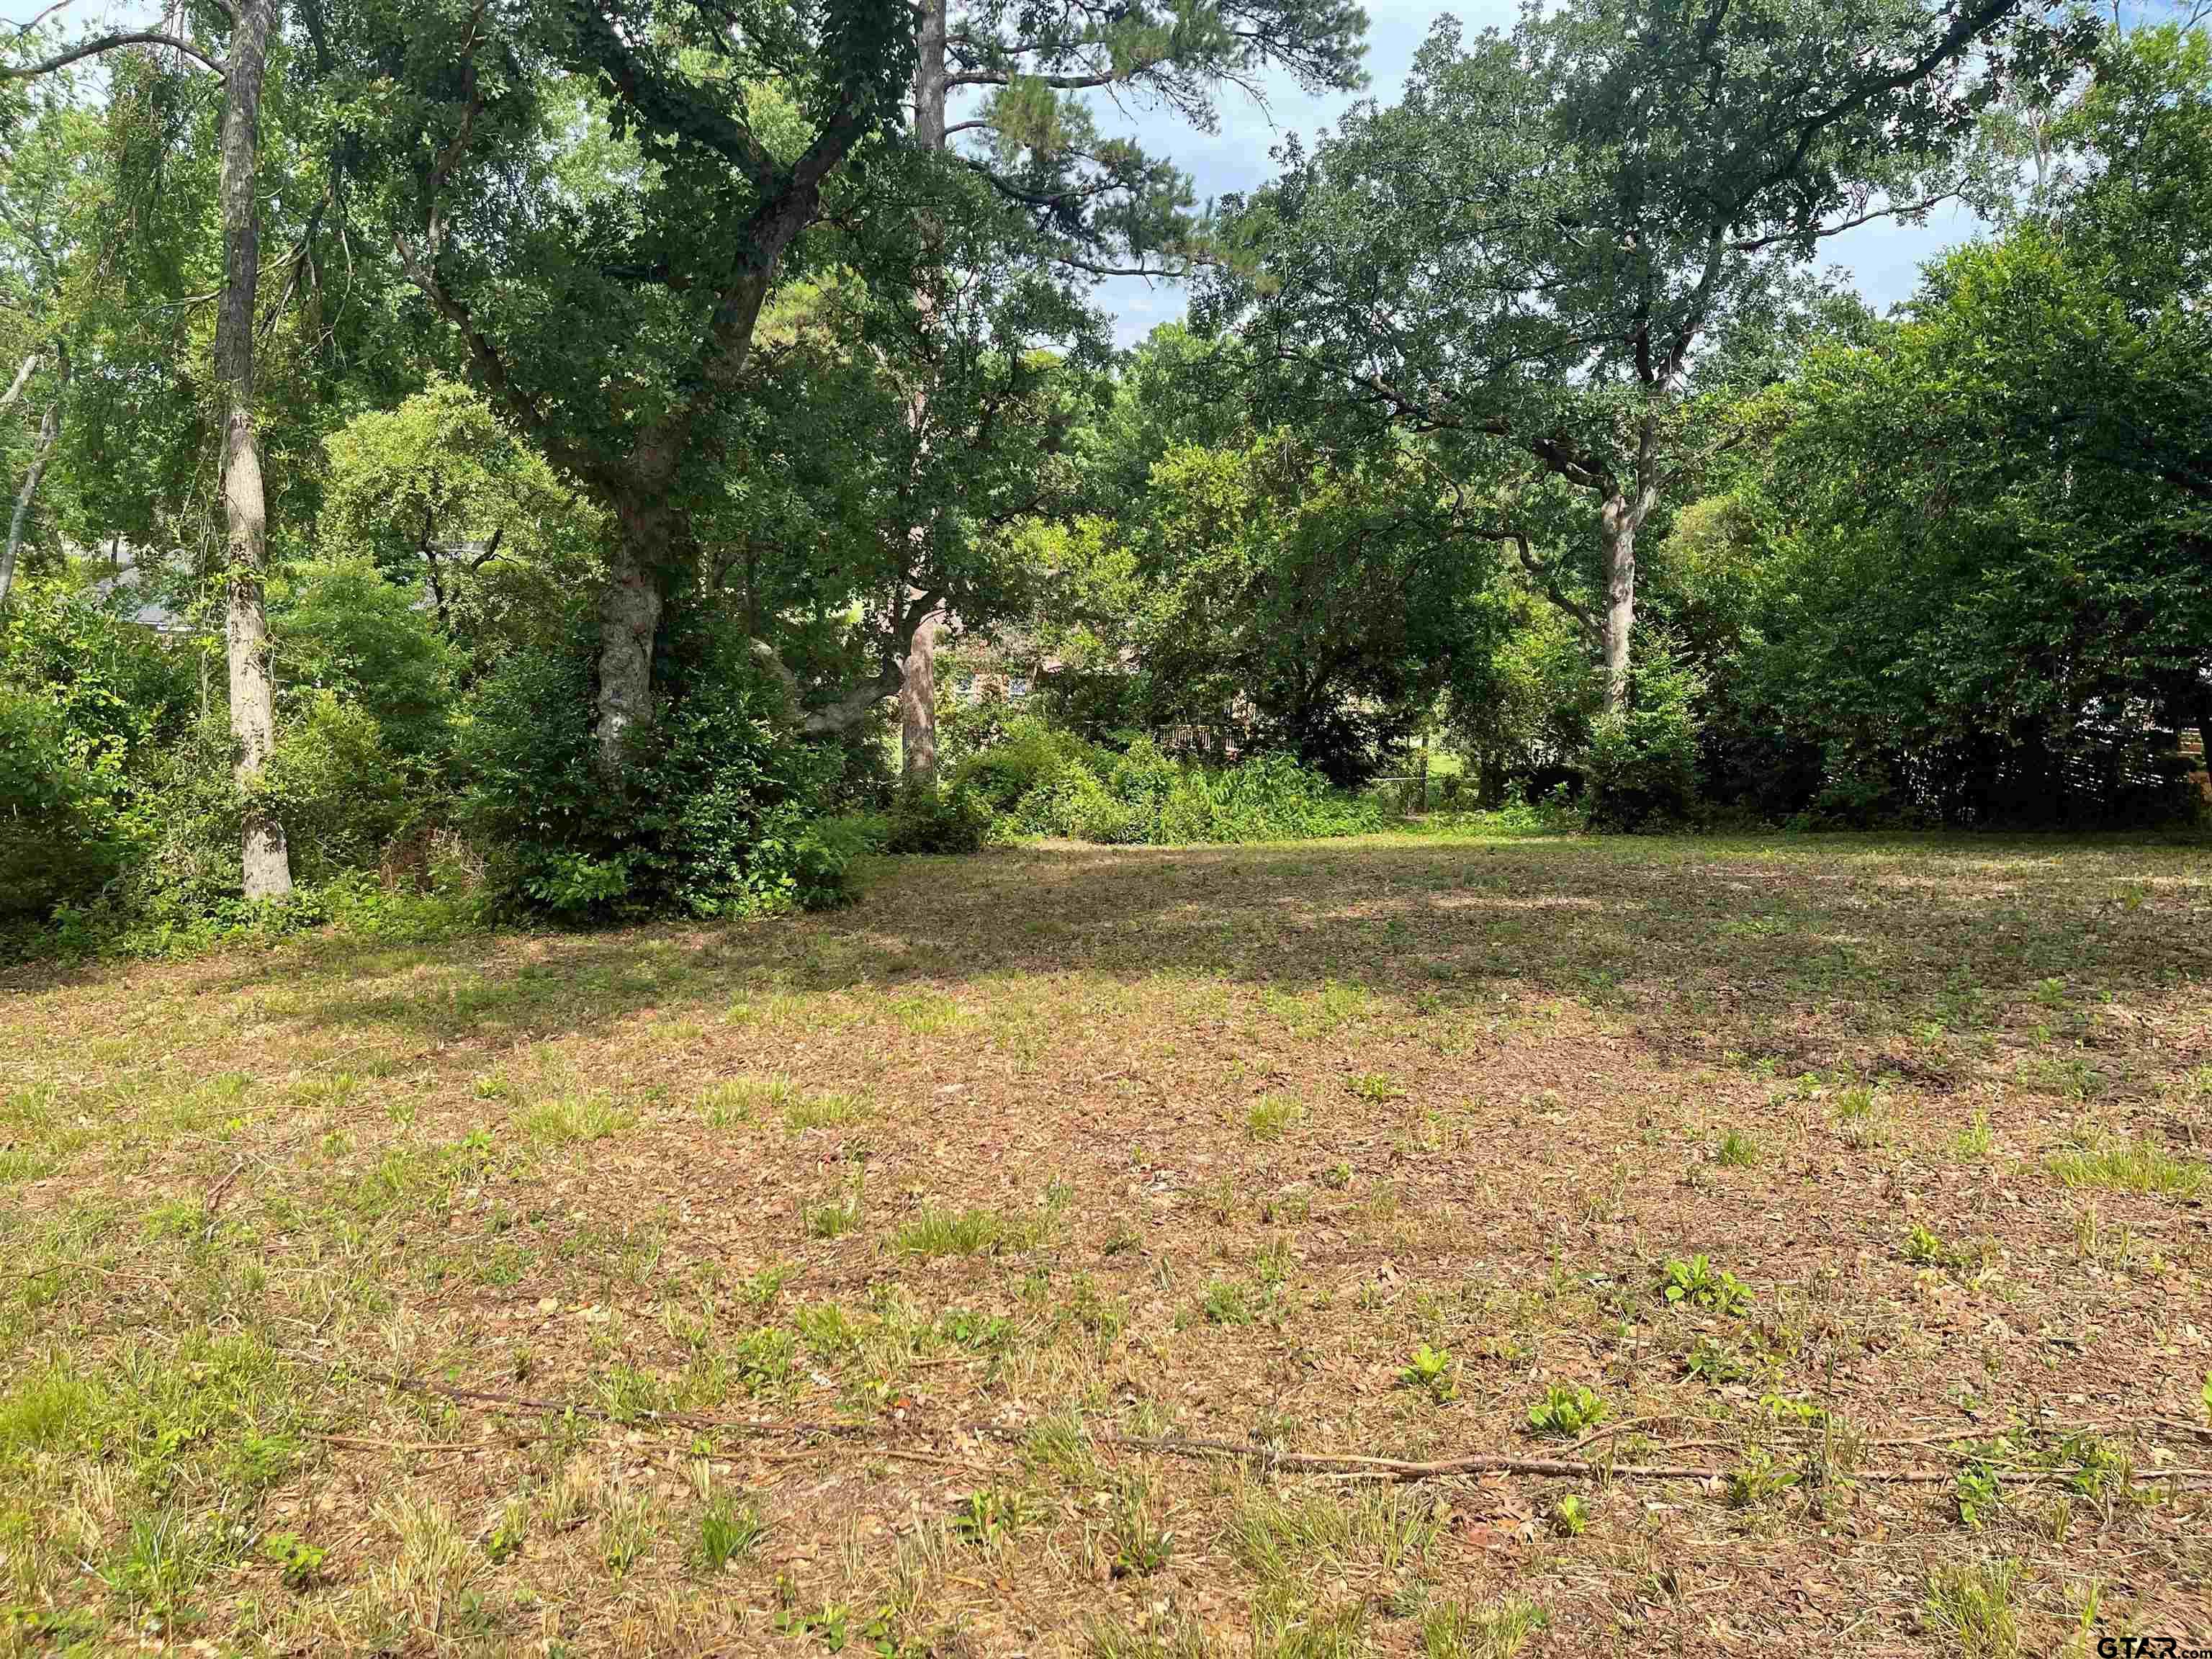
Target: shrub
point(1855, 793)
point(1143, 780)
point(808, 863)
point(1092, 811)
point(330, 781)
point(711, 816)
point(60, 837)
point(193, 817)
point(830, 849)
point(1145, 797)
point(1272, 797)
point(530, 797)
point(1074, 802)
point(1030, 756)
point(1642, 769)
point(334, 786)
point(930, 821)
point(966, 727)
point(119, 691)
point(347, 630)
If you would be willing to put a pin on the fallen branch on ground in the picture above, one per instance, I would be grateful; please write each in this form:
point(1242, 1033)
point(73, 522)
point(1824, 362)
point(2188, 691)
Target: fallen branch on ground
point(1390, 1468)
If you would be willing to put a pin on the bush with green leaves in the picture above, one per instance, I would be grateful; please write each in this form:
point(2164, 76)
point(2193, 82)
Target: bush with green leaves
point(1076, 804)
point(191, 813)
point(1145, 797)
point(87, 702)
point(330, 781)
point(936, 821)
point(1642, 763)
point(1023, 757)
point(121, 691)
point(334, 786)
point(713, 815)
point(344, 630)
point(1264, 798)
point(61, 836)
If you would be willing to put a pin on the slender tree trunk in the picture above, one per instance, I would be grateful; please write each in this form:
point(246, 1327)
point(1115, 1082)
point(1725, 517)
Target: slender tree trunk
point(266, 866)
point(15, 387)
point(1617, 532)
point(918, 686)
point(50, 430)
point(2204, 738)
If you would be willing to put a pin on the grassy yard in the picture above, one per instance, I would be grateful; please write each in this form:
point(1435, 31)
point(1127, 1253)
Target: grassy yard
point(867, 1281)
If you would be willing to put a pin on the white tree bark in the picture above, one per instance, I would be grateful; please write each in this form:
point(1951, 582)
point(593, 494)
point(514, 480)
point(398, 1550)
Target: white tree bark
point(15, 387)
point(918, 682)
point(1617, 531)
point(50, 431)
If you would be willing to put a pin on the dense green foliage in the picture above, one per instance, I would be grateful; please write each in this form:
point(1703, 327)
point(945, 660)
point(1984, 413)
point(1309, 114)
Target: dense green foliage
point(635, 380)
point(1967, 625)
point(1042, 782)
point(712, 819)
point(56, 809)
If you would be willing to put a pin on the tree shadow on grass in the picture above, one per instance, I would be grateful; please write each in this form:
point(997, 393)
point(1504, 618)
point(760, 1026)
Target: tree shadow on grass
point(1709, 944)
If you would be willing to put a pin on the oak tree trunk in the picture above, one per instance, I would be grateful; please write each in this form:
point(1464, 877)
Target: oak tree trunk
point(647, 528)
point(1620, 516)
point(266, 866)
point(630, 604)
point(918, 709)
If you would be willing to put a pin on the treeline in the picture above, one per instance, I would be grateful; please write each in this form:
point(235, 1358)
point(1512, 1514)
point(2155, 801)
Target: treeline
point(574, 460)
point(1946, 568)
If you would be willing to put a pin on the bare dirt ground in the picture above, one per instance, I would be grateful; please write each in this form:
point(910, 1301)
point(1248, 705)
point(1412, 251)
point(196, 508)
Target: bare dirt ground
point(1017, 1263)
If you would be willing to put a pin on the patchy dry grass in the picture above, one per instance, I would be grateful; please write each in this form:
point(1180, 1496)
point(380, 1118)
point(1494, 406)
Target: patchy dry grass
point(803, 1285)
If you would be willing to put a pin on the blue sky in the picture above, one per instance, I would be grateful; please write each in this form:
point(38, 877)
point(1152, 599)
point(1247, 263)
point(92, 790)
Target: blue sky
point(1883, 260)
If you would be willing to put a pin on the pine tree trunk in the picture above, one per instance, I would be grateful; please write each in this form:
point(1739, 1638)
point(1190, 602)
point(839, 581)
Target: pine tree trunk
point(918, 687)
point(265, 863)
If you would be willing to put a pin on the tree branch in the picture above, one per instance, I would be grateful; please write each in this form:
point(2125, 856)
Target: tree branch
point(672, 107)
point(1545, 575)
point(1752, 245)
point(22, 375)
point(492, 369)
point(104, 43)
point(852, 705)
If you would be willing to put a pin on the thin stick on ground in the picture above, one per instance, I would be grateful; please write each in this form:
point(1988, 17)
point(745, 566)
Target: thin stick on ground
point(1393, 1468)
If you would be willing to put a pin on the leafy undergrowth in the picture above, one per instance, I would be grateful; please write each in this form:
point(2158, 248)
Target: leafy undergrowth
point(803, 1284)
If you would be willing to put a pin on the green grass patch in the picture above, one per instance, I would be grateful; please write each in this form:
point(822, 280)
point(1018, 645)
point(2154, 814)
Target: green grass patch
point(2130, 1166)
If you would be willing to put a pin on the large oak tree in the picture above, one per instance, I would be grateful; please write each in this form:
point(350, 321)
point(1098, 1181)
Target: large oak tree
point(598, 200)
point(1525, 254)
